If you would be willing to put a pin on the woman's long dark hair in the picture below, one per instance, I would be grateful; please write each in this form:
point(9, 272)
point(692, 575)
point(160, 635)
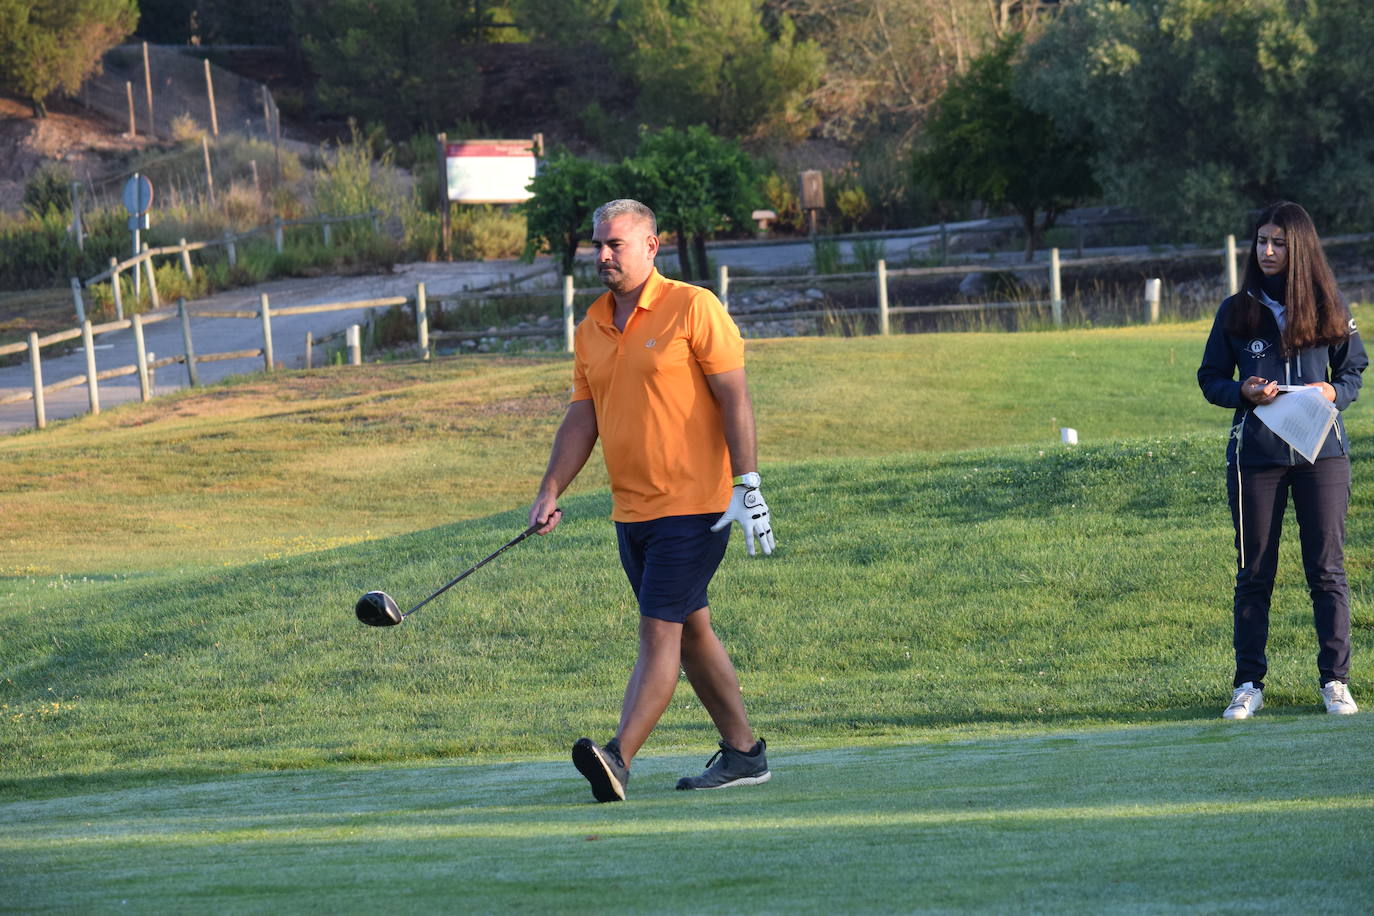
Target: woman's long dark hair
point(1317, 315)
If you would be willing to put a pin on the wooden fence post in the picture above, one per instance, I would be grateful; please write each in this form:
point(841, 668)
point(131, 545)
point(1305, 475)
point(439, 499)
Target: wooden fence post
point(445, 209)
point(1232, 285)
point(148, 87)
point(186, 261)
point(723, 286)
point(1152, 300)
point(210, 94)
point(277, 234)
point(355, 345)
point(141, 354)
point(231, 248)
point(422, 319)
point(327, 235)
point(40, 418)
point(129, 91)
point(115, 289)
point(92, 384)
point(209, 173)
point(192, 376)
point(77, 223)
point(1056, 289)
point(265, 311)
point(152, 278)
point(77, 300)
point(883, 327)
point(309, 349)
point(568, 328)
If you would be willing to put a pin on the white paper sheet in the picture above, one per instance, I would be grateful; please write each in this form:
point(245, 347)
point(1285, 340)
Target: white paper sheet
point(1303, 419)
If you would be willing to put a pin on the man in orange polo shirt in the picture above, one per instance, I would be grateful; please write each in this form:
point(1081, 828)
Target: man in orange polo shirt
point(658, 376)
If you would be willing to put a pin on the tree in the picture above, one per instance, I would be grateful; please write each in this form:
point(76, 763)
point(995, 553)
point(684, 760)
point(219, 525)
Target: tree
point(567, 189)
point(1201, 110)
point(398, 62)
point(889, 60)
point(984, 143)
point(51, 46)
point(716, 62)
point(697, 184)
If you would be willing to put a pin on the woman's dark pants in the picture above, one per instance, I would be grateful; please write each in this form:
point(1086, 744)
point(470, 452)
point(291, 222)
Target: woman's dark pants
point(1321, 495)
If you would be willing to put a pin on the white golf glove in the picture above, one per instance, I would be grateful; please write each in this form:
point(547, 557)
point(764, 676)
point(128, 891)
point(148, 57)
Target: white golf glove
point(748, 508)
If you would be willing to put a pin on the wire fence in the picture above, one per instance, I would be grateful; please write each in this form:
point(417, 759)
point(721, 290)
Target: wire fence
point(147, 88)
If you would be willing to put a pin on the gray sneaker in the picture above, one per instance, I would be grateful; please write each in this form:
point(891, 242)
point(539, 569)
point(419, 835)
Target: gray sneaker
point(729, 767)
point(603, 768)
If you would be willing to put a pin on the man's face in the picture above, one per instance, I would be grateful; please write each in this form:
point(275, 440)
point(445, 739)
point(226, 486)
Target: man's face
point(625, 250)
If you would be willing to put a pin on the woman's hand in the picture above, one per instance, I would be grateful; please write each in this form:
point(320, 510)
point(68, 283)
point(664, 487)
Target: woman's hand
point(1326, 390)
point(1261, 391)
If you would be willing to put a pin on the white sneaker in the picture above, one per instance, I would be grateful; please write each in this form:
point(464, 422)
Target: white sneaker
point(1338, 700)
point(1245, 702)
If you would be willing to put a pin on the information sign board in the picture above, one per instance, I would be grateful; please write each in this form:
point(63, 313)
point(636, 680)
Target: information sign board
point(489, 171)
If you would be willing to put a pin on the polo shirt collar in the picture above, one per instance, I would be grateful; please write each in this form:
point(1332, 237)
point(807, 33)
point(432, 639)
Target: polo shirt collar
point(603, 309)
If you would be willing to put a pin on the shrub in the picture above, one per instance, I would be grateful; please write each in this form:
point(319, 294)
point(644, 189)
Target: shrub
point(50, 188)
point(485, 232)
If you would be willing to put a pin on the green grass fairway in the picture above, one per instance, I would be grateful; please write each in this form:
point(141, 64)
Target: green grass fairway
point(1111, 820)
point(989, 667)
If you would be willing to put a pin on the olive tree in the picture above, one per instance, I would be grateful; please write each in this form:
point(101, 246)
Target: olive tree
point(697, 184)
point(983, 143)
point(567, 189)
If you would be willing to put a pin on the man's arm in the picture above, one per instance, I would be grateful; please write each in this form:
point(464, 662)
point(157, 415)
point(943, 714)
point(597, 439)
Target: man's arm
point(731, 391)
point(572, 446)
point(746, 501)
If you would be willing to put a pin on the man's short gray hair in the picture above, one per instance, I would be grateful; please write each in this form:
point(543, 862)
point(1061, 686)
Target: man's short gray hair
point(624, 206)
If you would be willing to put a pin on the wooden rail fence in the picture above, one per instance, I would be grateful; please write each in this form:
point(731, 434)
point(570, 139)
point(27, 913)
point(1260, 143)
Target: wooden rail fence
point(146, 363)
point(142, 263)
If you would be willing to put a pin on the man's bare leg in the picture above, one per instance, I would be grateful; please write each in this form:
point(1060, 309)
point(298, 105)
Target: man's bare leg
point(651, 684)
point(712, 676)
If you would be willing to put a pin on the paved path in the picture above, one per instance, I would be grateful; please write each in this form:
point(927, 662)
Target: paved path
point(212, 335)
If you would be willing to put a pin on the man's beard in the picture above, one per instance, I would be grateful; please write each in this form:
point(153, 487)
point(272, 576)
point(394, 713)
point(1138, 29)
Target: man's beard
point(612, 278)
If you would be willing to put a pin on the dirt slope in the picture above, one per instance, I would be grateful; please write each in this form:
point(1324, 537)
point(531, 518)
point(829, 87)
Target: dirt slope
point(70, 134)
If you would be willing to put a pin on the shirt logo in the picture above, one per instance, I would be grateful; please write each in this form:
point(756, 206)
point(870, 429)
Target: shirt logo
point(1257, 346)
point(650, 342)
point(1353, 329)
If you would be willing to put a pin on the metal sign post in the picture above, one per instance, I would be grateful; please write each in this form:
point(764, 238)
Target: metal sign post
point(138, 200)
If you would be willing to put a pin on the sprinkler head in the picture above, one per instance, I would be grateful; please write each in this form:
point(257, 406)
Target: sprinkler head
point(378, 609)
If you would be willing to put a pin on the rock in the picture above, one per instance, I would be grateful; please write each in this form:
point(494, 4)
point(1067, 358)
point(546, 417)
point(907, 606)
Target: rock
point(974, 285)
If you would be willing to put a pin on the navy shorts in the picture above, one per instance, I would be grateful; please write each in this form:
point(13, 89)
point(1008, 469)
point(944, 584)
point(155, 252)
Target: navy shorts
point(670, 561)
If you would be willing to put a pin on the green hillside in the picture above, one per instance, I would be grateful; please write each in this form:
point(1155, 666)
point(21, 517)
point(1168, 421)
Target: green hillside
point(973, 641)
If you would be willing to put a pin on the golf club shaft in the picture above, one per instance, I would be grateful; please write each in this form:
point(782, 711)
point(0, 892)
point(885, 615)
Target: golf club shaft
point(515, 540)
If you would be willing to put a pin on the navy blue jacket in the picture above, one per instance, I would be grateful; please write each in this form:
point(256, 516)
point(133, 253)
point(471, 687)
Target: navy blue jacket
point(1263, 356)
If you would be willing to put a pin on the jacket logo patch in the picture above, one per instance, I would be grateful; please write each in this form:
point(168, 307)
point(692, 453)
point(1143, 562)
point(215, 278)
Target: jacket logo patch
point(650, 342)
point(1257, 346)
point(1353, 329)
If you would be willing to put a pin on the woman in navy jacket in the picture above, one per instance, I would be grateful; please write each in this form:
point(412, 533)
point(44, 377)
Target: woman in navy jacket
point(1287, 326)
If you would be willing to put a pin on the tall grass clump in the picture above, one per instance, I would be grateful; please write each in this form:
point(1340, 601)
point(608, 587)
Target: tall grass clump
point(826, 257)
point(867, 254)
point(351, 181)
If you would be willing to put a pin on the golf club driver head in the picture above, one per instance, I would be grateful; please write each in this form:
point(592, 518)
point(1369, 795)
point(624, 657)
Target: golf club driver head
point(378, 609)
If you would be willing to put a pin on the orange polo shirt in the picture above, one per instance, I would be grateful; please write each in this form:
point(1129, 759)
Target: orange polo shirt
point(661, 431)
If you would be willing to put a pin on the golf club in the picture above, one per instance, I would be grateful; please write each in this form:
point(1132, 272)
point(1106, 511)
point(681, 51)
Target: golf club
point(378, 609)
